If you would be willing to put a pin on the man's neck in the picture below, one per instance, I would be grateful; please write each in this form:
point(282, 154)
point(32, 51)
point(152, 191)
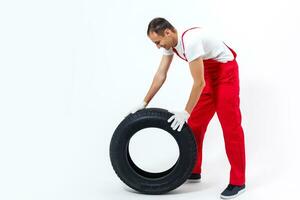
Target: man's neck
point(175, 39)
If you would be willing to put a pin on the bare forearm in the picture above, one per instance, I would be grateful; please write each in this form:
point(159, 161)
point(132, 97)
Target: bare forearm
point(155, 86)
point(194, 96)
point(159, 77)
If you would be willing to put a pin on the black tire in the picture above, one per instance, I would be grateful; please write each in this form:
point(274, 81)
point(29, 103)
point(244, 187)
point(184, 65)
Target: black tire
point(138, 179)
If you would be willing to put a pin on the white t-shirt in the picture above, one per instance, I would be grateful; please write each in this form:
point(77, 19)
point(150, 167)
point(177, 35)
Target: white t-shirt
point(199, 42)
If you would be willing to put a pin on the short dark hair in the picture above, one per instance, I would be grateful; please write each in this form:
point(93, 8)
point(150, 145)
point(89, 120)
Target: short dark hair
point(159, 25)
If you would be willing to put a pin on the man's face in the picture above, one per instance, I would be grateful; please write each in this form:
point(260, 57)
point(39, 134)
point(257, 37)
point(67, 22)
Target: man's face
point(165, 41)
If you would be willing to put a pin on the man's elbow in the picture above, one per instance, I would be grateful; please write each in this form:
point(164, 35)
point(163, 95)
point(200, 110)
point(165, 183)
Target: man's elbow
point(200, 84)
point(160, 78)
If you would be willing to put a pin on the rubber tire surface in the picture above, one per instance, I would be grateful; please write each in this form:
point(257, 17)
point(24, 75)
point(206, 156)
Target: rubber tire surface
point(138, 179)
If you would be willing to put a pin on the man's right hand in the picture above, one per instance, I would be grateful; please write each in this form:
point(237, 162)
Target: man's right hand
point(138, 107)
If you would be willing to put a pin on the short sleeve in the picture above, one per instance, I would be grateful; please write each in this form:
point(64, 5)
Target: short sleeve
point(167, 51)
point(194, 49)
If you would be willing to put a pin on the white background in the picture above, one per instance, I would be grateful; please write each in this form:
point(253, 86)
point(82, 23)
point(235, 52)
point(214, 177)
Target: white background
point(71, 70)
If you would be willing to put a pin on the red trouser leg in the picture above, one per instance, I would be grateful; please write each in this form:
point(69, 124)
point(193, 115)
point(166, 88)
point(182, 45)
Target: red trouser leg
point(228, 111)
point(200, 117)
point(221, 95)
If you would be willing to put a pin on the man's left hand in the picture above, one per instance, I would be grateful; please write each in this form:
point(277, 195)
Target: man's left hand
point(179, 119)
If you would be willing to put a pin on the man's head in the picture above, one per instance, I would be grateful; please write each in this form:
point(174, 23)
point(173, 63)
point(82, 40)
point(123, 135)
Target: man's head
point(162, 33)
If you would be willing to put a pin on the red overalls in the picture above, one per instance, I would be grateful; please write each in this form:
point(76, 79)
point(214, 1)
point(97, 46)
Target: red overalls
point(220, 95)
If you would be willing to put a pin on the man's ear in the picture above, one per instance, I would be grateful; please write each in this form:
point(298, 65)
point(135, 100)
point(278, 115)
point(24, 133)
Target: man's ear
point(167, 31)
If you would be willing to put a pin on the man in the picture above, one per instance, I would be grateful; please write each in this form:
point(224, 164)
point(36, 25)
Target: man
point(215, 90)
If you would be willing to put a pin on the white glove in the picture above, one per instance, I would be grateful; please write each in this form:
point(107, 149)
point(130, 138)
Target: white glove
point(179, 119)
point(138, 107)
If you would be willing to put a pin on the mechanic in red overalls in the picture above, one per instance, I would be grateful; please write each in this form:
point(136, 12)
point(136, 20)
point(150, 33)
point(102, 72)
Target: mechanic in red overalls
point(215, 90)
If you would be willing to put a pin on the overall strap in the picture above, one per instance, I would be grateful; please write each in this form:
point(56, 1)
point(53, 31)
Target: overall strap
point(232, 51)
point(183, 47)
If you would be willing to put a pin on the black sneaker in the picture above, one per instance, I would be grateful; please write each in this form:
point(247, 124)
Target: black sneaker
point(232, 191)
point(194, 177)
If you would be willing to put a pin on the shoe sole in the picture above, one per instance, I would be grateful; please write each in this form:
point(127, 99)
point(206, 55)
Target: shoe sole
point(233, 196)
point(193, 180)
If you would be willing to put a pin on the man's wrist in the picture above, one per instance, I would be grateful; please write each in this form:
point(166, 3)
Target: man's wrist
point(187, 112)
point(145, 103)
